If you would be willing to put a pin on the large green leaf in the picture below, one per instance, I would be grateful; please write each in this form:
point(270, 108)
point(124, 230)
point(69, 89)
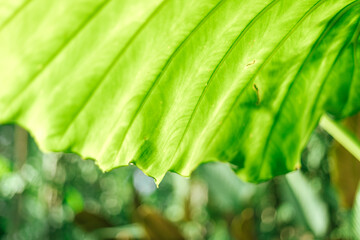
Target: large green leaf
point(171, 84)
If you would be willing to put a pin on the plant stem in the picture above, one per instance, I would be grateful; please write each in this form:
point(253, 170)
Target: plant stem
point(346, 138)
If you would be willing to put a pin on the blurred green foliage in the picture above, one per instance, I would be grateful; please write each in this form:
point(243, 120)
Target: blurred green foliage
point(60, 196)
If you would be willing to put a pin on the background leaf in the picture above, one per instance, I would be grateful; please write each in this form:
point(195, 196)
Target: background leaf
point(356, 216)
point(59, 196)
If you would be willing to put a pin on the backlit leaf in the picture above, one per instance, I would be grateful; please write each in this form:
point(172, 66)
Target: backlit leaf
point(171, 84)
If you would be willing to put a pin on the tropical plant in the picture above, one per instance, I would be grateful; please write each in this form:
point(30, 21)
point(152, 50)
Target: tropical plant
point(169, 84)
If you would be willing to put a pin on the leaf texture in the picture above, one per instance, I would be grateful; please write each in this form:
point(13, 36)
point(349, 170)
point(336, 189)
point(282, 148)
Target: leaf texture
point(168, 85)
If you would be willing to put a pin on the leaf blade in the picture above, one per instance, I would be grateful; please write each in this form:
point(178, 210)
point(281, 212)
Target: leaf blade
point(169, 85)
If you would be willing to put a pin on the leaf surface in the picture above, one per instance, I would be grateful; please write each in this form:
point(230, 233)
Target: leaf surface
point(170, 84)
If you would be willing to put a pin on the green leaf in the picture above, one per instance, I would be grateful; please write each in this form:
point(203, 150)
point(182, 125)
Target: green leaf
point(310, 205)
point(171, 84)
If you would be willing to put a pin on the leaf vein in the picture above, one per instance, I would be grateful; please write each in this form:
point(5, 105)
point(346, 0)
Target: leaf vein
point(33, 78)
point(321, 37)
point(356, 67)
point(343, 48)
point(267, 60)
point(164, 68)
point(113, 63)
point(218, 66)
point(15, 13)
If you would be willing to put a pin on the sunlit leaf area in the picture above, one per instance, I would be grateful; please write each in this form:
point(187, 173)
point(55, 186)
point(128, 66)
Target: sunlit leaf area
point(60, 196)
point(179, 119)
point(168, 85)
